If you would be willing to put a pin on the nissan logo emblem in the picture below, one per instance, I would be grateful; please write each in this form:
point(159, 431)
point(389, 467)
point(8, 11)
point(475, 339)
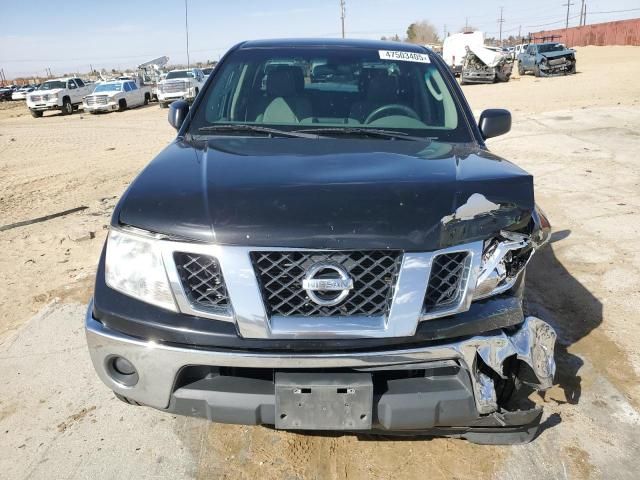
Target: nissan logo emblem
point(327, 283)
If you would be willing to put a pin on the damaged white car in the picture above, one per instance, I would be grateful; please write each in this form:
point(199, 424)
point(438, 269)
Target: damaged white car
point(484, 64)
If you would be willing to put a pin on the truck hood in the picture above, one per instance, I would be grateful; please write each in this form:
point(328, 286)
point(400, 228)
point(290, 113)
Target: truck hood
point(562, 53)
point(327, 193)
point(53, 91)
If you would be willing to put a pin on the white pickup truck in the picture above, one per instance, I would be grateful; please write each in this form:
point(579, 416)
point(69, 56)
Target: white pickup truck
point(116, 95)
point(180, 85)
point(64, 94)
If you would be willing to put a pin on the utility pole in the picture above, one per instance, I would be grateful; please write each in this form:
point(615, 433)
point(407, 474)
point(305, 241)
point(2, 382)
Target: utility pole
point(466, 24)
point(581, 13)
point(584, 15)
point(500, 22)
point(444, 32)
point(186, 29)
point(520, 33)
point(566, 25)
point(342, 14)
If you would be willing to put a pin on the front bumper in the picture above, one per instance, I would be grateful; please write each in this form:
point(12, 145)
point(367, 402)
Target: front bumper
point(42, 106)
point(463, 396)
point(109, 107)
point(172, 97)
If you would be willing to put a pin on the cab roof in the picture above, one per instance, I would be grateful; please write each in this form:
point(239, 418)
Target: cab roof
point(333, 42)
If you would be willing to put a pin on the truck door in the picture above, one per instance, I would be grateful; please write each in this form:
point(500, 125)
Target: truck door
point(136, 93)
point(529, 57)
point(72, 90)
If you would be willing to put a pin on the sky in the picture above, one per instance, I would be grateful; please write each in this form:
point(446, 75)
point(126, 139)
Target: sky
point(70, 35)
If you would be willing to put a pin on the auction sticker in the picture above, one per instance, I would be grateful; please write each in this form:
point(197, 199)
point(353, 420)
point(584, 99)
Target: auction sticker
point(404, 56)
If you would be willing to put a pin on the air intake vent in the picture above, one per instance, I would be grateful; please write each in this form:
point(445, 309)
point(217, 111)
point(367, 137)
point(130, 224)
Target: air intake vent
point(202, 281)
point(448, 275)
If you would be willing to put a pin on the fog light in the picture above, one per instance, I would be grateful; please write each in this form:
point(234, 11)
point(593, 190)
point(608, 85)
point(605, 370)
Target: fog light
point(123, 366)
point(122, 371)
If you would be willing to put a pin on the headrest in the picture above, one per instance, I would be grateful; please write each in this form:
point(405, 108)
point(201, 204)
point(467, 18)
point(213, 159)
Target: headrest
point(382, 88)
point(285, 81)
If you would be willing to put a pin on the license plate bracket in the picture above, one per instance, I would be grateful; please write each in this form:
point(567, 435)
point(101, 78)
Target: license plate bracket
point(323, 401)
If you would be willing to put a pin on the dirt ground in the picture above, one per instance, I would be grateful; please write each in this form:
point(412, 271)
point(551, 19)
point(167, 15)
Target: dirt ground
point(578, 135)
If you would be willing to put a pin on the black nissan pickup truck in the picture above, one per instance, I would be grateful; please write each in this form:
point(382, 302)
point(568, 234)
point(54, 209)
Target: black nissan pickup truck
point(327, 244)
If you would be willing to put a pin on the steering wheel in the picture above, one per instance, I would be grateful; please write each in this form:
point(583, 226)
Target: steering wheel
point(386, 109)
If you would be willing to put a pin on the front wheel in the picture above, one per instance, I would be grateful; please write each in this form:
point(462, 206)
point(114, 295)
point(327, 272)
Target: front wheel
point(521, 71)
point(36, 113)
point(572, 69)
point(122, 105)
point(67, 107)
point(536, 71)
point(146, 99)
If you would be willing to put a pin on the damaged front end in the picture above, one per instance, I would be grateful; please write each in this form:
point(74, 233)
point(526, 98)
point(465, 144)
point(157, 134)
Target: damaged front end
point(485, 65)
point(557, 64)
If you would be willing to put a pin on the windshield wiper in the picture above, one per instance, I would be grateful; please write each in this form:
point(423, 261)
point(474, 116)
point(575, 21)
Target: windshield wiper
point(244, 128)
point(366, 132)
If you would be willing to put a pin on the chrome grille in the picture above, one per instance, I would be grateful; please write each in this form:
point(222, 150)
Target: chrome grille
point(97, 100)
point(374, 275)
point(448, 272)
point(36, 98)
point(202, 280)
point(174, 87)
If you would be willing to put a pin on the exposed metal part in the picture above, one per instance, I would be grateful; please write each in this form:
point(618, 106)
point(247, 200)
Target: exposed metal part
point(158, 364)
point(485, 392)
point(477, 204)
point(497, 274)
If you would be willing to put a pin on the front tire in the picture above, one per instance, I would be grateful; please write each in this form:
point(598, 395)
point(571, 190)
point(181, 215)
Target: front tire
point(122, 105)
point(521, 71)
point(67, 107)
point(36, 113)
point(536, 71)
point(146, 99)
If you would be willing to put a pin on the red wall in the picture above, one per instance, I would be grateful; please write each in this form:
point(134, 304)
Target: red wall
point(623, 32)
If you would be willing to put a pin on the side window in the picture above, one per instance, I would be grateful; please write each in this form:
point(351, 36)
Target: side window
point(127, 86)
point(71, 85)
point(79, 82)
point(132, 86)
point(531, 50)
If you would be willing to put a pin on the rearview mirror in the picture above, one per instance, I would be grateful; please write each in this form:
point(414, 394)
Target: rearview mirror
point(494, 122)
point(177, 113)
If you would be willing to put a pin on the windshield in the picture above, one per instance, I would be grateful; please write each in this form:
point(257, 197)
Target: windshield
point(551, 47)
point(52, 85)
point(108, 87)
point(337, 88)
point(180, 74)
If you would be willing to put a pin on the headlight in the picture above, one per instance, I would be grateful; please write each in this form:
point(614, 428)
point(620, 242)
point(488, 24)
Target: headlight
point(503, 259)
point(134, 267)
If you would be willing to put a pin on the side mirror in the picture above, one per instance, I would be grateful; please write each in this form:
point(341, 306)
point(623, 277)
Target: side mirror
point(177, 113)
point(494, 122)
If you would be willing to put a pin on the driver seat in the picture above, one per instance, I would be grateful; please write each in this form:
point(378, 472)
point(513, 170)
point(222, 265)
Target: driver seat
point(382, 90)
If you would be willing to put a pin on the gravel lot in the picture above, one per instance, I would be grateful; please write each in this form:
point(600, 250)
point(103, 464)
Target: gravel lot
point(578, 135)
